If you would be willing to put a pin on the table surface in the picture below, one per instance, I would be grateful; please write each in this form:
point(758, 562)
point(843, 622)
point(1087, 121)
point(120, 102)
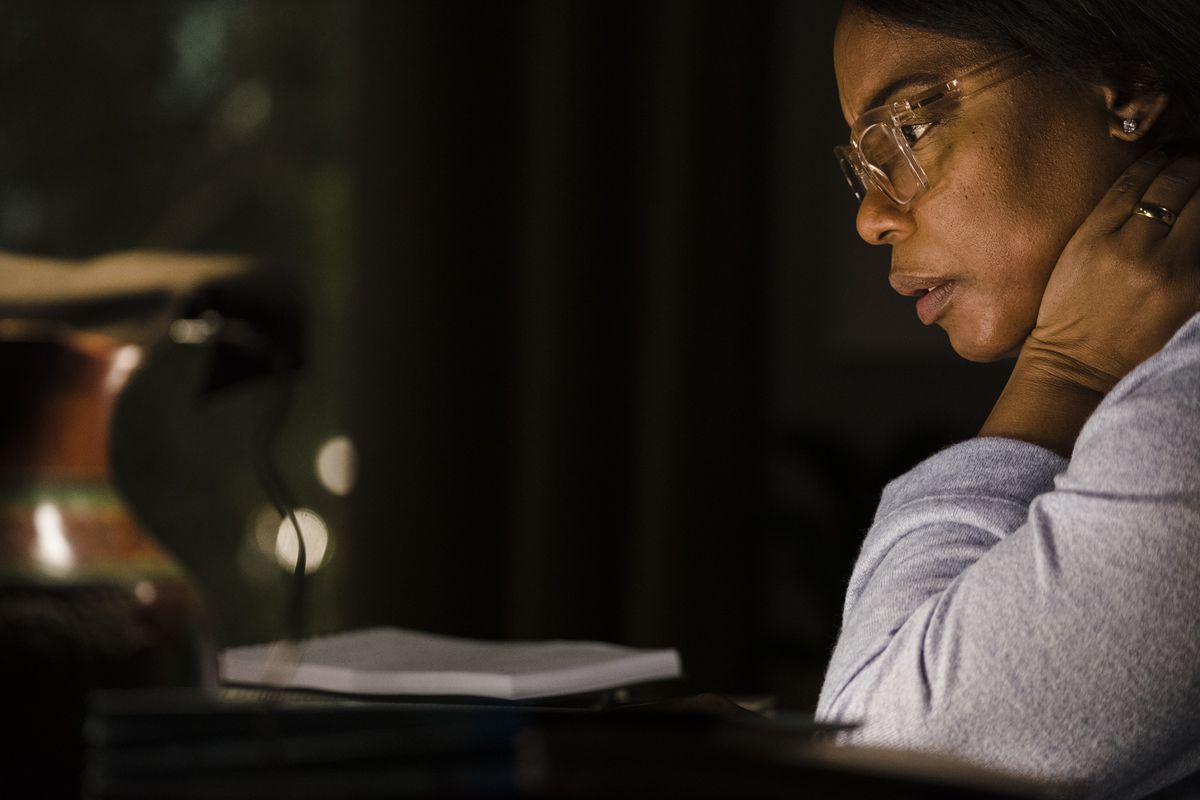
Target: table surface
point(193, 746)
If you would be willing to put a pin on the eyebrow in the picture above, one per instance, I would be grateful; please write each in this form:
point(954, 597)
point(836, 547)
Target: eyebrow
point(894, 87)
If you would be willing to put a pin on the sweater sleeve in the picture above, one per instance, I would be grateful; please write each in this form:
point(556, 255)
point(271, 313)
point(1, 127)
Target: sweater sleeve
point(1039, 617)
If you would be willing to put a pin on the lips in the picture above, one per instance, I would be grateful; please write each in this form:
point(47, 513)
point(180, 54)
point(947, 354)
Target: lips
point(933, 293)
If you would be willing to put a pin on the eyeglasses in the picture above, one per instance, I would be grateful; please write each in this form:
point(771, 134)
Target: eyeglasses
point(880, 151)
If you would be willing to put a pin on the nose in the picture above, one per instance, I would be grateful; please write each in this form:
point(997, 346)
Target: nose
point(881, 221)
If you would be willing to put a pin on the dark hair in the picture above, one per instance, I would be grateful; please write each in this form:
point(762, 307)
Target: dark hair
point(1129, 45)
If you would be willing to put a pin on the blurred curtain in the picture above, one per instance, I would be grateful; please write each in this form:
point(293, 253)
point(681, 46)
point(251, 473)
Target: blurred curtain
point(558, 349)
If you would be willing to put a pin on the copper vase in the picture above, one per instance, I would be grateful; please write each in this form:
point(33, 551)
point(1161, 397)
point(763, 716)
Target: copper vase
point(87, 599)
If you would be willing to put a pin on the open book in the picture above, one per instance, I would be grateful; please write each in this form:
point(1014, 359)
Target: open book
point(391, 661)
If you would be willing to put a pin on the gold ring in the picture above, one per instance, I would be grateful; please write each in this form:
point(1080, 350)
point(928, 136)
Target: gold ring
point(1164, 215)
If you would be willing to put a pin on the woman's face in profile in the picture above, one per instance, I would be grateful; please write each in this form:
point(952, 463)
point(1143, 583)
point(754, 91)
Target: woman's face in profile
point(1013, 171)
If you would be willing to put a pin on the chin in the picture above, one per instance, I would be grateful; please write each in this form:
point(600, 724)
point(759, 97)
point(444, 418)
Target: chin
point(983, 350)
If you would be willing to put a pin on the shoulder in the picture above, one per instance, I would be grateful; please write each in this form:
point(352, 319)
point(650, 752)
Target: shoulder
point(1172, 372)
point(1146, 433)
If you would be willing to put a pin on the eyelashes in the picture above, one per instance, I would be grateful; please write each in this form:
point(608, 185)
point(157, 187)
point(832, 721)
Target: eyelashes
point(913, 133)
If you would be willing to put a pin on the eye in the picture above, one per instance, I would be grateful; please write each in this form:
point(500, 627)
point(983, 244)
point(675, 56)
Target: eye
point(912, 133)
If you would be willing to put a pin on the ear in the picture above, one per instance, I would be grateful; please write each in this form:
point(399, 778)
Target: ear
point(1145, 108)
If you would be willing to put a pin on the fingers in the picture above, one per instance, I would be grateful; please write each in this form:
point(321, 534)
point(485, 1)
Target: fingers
point(1115, 208)
point(1158, 178)
point(1186, 230)
point(1173, 188)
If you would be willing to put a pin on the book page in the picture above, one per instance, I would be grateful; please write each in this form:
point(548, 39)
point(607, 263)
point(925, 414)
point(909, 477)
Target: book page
point(396, 661)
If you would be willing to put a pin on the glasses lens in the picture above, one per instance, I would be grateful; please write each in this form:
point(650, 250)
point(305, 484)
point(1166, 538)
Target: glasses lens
point(853, 177)
point(887, 158)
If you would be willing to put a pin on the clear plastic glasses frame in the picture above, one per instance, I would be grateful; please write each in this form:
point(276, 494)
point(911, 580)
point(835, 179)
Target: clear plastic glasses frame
point(879, 154)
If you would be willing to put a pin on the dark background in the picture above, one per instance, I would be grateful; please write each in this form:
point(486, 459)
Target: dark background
point(582, 286)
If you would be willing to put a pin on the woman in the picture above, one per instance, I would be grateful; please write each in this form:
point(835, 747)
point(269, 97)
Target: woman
point(1030, 599)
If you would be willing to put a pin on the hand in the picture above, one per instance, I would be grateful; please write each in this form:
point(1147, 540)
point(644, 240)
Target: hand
point(1122, 287)
point(1125, 283)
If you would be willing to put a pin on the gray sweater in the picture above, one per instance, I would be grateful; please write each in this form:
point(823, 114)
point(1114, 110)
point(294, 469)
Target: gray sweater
point(1040, 616)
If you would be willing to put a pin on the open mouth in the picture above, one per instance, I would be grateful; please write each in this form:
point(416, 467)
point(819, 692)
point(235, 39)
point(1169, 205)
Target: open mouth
point(932, 301)
point(916, 285)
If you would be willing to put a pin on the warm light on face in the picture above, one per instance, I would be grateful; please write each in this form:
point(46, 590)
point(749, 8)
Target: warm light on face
point(1004, 196)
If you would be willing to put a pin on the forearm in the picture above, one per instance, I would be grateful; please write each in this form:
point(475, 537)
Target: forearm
point(1007, 653)
point(933, 523)
point(1046, 402)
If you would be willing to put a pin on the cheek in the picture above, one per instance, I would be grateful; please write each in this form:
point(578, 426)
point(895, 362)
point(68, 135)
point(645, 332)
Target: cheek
point(1003, 252)
point(1048, 179)
point(1007, 206)
point(1007, 283)
point(1000, 228)
point(1029, 220)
